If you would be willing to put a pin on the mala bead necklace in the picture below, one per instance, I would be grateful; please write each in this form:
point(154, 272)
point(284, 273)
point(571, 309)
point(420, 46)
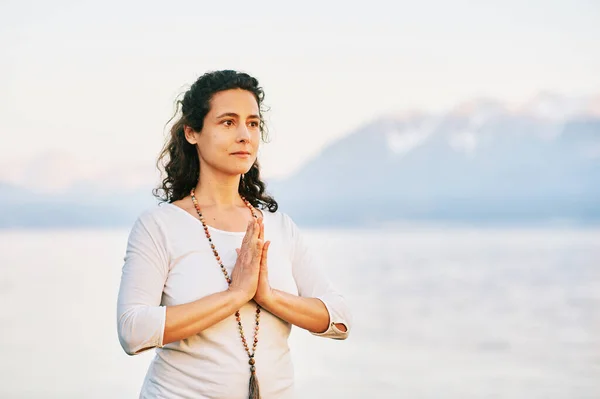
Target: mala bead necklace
point(253, 392)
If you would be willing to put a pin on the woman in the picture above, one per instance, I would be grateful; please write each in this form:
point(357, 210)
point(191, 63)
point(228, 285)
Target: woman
point(215, 276)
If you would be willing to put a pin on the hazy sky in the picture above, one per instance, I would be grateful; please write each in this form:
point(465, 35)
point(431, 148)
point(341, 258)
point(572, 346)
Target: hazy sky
point(97, 80)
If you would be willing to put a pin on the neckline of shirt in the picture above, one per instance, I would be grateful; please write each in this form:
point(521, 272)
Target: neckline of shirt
point(226, 232)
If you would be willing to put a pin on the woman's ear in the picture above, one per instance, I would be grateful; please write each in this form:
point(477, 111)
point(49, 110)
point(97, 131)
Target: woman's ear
point(190, 134)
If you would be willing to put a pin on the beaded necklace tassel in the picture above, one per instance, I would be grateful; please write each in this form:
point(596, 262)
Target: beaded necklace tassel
point(253, 389)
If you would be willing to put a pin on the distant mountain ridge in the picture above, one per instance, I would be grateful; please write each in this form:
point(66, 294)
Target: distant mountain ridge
point(482, 162)
point(479, 163)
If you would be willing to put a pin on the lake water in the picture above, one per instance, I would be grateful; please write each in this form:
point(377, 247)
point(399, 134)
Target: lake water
point(438, 313)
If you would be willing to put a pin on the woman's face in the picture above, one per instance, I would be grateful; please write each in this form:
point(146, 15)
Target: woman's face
point(230, 136)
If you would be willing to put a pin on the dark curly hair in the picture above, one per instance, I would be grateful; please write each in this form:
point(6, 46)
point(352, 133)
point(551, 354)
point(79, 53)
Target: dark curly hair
point(179, 158)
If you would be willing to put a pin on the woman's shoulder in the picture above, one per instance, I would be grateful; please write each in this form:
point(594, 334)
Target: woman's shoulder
point(152, 211)
point(154, 215)
point(280, 220)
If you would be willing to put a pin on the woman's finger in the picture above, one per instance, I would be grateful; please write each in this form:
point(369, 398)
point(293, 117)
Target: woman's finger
point(258, 224)
point(252, 242)
point(263, 259)
point(249, 232)
point(261, 235)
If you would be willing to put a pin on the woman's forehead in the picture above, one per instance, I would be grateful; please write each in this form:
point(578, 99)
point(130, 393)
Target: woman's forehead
point(236, 101)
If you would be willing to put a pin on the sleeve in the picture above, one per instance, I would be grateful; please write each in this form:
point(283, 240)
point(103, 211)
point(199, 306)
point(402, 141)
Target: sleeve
point(140, 318)
point(313, 282)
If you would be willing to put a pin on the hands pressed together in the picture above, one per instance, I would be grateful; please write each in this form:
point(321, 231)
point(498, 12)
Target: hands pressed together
point(250, 273)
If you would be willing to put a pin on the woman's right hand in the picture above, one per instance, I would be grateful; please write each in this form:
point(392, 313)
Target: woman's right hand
point(244, 276)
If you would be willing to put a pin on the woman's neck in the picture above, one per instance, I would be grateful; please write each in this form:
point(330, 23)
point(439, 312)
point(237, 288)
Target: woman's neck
point(218, 190)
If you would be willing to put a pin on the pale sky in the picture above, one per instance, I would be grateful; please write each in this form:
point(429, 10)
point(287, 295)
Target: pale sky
point(97, 80)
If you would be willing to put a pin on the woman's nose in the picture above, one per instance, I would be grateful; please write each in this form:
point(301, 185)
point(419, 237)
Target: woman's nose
point(243, 133)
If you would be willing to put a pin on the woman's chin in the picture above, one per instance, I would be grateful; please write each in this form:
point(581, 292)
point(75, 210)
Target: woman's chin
point(238, 171)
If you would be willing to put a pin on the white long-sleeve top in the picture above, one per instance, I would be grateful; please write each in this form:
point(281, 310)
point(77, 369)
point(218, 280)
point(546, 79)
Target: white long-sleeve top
point(169, 261)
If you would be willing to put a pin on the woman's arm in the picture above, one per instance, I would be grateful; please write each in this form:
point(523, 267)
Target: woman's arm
point(308, 313)
point(183, 321)
point(140, 317)
point(141, 320)
point(318, 307)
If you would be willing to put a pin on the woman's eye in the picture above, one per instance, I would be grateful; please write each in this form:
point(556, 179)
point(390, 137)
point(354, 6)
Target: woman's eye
point(228, 122)
point(254, 124)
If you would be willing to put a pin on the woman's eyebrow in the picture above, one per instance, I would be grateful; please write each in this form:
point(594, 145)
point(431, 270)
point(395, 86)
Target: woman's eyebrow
point(234, 115)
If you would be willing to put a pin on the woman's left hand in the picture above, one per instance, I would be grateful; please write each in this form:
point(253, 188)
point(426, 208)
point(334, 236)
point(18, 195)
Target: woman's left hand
point(264, 292)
